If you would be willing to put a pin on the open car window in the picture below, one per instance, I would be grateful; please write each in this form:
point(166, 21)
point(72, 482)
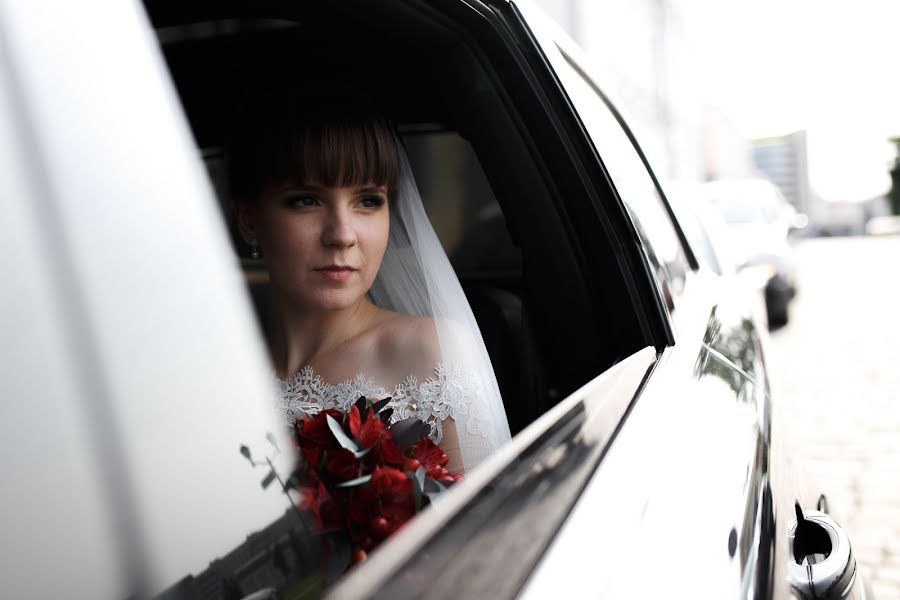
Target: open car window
point(513, 222)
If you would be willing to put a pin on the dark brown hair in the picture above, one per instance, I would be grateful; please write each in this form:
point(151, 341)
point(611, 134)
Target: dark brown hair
point(330, 138)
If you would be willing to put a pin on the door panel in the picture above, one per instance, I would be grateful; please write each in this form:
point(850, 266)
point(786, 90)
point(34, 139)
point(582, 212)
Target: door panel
point(173, 378)
point(58, 540)
point(505, 515)
point(685, 483)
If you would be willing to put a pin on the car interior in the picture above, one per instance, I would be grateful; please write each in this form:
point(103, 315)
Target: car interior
point(552, 316)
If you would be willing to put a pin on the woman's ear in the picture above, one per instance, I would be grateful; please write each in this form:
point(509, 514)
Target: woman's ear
point(245, 216)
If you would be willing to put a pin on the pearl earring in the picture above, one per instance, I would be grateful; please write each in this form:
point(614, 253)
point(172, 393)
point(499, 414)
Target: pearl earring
point(254, 250)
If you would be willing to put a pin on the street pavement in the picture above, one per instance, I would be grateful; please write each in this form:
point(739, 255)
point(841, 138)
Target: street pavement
point(835, 373)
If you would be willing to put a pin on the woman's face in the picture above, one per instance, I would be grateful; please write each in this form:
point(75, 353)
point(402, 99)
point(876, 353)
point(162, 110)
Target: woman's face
point(322, 245)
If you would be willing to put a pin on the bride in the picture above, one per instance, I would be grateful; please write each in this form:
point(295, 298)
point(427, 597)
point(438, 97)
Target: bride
point(364, 299)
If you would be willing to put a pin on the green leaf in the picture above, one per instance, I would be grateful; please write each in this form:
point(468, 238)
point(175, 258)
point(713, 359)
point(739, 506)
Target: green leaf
point(417, 487)
point(355, 482)
point(339, 434)
point(420, 478)
point(433, 490)
point(409, 431)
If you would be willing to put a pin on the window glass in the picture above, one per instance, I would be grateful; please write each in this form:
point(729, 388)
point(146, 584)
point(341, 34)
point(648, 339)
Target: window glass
point(633, 183)
point(460, 203)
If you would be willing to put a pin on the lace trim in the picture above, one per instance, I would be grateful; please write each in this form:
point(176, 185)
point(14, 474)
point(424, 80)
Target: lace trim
point(450, 392)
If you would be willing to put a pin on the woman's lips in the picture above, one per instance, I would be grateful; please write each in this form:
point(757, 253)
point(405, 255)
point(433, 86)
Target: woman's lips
point(336, 274)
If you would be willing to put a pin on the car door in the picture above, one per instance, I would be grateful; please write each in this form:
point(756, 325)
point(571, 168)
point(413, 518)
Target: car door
point(717, 476)
point(701, 424)
point(488, 534)
point(131, 370)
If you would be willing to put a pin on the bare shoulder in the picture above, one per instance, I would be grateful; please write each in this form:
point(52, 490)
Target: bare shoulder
point(408, 345)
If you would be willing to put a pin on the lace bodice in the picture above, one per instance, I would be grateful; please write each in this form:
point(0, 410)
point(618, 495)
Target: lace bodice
point(450, 392)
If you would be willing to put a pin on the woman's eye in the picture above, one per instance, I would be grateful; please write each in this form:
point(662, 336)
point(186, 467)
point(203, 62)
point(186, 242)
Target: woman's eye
point(371, 201)
point(301, 201)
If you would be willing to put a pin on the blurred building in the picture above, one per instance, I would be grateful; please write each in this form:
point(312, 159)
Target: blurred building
point(783, 161)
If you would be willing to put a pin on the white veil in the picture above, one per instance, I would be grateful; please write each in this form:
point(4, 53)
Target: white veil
point(416, 278)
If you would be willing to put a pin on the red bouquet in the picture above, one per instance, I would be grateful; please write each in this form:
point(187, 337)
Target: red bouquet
point(361, 479)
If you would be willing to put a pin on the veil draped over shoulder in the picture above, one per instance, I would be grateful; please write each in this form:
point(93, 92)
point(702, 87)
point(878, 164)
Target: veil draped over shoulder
point(416, 278)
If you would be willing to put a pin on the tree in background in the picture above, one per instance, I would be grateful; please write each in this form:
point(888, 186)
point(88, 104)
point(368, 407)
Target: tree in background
point(894, 194)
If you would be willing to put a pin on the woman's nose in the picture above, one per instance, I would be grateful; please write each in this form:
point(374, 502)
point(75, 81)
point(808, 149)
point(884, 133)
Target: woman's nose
point(338, 230)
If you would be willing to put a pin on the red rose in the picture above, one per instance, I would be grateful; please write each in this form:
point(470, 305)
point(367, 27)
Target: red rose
point(389, 482)
point(394, 491)
point(312, 454)
point(331, 509)
point(341, 465)
point(388, 452)
point(398, 514)
point(314, 431)
point(362, 505)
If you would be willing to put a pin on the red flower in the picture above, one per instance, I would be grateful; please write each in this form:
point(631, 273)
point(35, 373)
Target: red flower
point(354, 421)
point(432, 459)
point(341, 465)
point(327, 510)
point(314, 431)
point(371, 511)
point(394, 491)
point(312, 454)
point(429, 454)
point(388, 452)
point(362, 504)
point(332, 510)
point(390, 483)
point(372, 430)
point(309, 498)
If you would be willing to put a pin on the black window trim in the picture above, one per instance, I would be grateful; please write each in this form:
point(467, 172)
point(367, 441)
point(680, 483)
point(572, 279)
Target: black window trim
point(686, 247)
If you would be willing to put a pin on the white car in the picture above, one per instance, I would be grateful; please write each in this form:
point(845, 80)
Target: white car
point(644, 461)
point(761, 220)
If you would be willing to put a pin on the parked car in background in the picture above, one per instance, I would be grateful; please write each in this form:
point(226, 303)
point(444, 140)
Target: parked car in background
point(645, 461)
point(704, 226)
point(710, 238)
point(761, 221)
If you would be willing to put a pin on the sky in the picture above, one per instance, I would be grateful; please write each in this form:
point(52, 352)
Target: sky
point(829, 67)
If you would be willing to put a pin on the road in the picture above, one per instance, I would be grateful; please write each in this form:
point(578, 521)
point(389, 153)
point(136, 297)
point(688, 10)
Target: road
point(835, 371)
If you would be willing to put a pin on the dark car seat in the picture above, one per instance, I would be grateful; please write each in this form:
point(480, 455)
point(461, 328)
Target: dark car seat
point(507, 334)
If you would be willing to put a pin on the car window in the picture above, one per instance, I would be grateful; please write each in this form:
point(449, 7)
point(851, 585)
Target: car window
point(459, 202)
point(524, 275)
point(632, 181)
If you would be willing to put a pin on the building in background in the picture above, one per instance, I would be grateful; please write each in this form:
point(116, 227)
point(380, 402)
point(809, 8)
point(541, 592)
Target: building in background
point(783, 160)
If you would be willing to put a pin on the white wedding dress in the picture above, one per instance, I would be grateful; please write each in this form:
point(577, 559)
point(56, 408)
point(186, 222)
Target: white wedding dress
point(451, 392)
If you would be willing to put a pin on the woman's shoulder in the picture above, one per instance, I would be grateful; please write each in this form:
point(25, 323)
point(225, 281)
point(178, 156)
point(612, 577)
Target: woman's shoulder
point(408, 345)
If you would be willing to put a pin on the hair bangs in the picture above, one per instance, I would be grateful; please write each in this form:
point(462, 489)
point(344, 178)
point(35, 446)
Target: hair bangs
point(346, 154)
point(335, 139)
